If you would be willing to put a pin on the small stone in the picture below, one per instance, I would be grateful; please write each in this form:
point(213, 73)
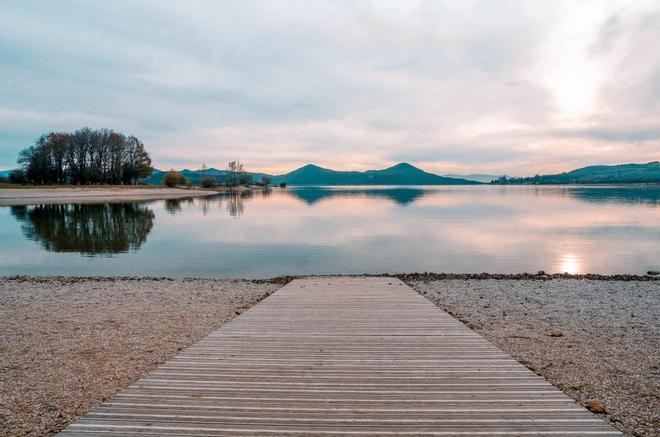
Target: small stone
point(595, 406)
point(555, 333)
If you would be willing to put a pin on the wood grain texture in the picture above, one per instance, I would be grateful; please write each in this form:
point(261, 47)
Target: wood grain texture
point(341, 356)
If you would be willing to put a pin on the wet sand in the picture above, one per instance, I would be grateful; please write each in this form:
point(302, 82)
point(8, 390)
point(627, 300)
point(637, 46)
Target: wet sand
point(66, 344)
point(29, 196)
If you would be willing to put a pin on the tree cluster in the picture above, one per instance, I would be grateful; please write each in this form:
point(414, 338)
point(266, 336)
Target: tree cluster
point(86, 156)
point(173, 178)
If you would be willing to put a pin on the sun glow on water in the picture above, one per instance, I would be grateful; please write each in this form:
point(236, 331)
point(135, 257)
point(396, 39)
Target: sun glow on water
point(570, 263)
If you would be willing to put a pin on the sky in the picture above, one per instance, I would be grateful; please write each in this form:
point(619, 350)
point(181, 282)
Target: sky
point(496, 87)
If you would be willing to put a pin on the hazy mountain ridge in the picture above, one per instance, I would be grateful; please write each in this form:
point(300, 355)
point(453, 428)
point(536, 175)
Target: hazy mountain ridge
point(310, 174)
point(407, 174)
point(596, 174)
point(399, 174)
point(477, 177)
point(195, 176)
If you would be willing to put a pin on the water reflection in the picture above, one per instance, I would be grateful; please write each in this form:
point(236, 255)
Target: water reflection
point(400, 196)
point(235, 202)
point(326, 230)
point(404, 196)
point(569, 263)
point(173, 205)
point(649, 195)
point(87, 229)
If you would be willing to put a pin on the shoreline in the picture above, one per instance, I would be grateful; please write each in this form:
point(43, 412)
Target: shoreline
point(70, 342)
point(405, 277)
point(78, 195)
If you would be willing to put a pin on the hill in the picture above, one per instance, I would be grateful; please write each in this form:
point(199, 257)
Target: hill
point(195, 176)
point(400, 174)
point(5, 173)
point(485, 178)
point(310, 174)
point(596, 174)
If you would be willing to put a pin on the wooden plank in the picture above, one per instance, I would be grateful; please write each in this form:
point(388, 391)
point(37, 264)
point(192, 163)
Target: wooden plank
point(341, 356)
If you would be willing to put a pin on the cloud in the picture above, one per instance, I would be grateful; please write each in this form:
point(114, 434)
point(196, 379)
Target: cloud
point(467, 86)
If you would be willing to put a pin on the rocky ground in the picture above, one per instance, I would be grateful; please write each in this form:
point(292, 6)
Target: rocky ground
point(597, 340)
point(68, 344)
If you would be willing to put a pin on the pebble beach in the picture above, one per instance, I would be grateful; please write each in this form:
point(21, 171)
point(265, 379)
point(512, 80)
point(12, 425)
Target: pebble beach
point(67, 344)
point(597, 340)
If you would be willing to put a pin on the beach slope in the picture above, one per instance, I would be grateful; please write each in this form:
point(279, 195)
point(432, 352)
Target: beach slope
point(43, 196)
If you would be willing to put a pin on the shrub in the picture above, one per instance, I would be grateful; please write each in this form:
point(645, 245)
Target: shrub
point(208, 181)
point(173, 178)
point(282, 184)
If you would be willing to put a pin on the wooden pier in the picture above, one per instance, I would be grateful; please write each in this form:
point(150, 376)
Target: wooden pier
point(342, 356)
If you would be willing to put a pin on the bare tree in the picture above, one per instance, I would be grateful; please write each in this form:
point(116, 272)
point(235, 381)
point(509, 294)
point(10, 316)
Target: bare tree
point(235, 169)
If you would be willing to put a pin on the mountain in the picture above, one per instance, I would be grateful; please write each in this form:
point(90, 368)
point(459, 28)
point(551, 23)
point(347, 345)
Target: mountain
point(485, 178)
point(596, 174)
point(195, 176)
point(310, 174)
point(5, 173)
point(400, 174)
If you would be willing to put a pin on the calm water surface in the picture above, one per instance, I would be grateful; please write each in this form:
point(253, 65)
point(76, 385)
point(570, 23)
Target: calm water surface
point(319, 230)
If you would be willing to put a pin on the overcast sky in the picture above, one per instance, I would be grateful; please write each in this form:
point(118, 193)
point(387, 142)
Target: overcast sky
point(494, 87)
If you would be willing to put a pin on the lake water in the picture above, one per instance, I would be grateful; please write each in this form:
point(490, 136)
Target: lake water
point(325, 230)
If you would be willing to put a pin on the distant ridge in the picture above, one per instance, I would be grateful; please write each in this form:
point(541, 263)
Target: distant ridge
point(485, 178)
point(596, 174)
point(310, 174)
point(399, 174)
point(407, 174)
point(195, 176)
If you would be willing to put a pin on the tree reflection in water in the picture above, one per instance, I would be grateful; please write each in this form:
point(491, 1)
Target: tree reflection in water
point(235, 202)
point(173, 206)
point(87, 229)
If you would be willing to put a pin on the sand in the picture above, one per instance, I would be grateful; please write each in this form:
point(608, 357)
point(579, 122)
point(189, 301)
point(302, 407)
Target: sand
point(29, 196)
point(595, 340)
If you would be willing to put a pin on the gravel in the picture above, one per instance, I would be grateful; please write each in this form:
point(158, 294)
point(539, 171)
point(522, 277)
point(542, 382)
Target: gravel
point(596, 340)
point(66, 344)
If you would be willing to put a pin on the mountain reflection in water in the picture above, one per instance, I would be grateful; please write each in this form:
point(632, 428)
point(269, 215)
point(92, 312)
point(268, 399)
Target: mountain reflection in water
point(404, 196)
point(400, 196)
